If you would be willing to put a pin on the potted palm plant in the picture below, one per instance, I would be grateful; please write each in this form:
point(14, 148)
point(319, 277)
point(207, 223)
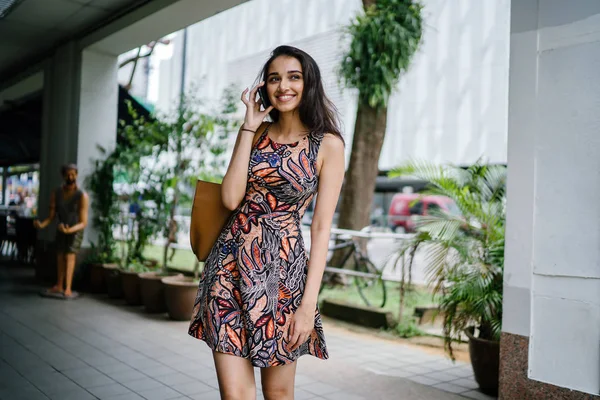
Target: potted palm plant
point(464, 257)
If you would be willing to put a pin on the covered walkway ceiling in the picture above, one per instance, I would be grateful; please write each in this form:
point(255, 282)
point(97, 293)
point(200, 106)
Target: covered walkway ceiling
point(32, 28)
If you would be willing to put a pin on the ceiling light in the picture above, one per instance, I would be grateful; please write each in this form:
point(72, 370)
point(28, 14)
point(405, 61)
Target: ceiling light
point(6, 6)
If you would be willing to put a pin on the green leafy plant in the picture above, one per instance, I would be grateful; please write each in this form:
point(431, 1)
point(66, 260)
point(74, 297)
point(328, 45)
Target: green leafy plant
point(139, 139)
point(96, 256)
point(196, 143)
point(464, 254)
point(407, 328)
point(154, 165)
point(142, 182)
point(137, 266)
point(104, 207)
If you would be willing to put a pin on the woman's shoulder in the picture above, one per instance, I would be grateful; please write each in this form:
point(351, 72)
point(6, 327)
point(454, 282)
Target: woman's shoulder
point(332, 142)
point(331, 147)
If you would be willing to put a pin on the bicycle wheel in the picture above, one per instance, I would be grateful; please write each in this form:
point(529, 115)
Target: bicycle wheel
point(371, 289)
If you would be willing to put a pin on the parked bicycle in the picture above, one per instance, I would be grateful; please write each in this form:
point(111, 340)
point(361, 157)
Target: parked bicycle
point(360, 269)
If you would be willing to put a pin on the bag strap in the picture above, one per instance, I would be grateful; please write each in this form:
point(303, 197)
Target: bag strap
point(259, 132)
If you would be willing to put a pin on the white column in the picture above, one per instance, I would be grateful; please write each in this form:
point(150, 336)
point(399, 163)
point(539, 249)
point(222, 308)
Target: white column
point(98, 111)
point(565, 325)
point(521, 135)
point(553, 227)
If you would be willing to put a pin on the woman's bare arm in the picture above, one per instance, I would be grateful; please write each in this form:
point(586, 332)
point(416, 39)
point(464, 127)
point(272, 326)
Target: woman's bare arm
point(331, 178)
point(234, 184)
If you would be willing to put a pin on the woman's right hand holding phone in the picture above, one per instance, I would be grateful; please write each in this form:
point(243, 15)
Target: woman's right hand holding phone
point(254, 115)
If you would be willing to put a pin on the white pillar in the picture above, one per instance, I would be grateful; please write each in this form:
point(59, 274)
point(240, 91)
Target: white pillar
point(521, 135)
point(98, 111)
point(552, 271)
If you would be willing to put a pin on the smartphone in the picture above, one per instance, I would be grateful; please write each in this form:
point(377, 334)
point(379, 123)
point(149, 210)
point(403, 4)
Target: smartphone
point(262, 93)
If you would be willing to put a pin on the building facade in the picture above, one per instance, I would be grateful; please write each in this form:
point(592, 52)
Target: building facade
point(451, 106)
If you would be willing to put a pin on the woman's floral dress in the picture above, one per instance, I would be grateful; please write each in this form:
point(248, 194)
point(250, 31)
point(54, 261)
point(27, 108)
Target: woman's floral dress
point(253, 279)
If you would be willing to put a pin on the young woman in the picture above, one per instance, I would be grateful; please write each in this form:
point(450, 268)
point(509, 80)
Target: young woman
point(257, 299)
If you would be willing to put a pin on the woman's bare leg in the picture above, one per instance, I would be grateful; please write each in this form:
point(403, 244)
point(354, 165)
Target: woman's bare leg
point(235, 376)
point(278, 382)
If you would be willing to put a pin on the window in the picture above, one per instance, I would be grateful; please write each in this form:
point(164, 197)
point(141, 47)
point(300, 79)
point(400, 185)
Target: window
point(416, 208)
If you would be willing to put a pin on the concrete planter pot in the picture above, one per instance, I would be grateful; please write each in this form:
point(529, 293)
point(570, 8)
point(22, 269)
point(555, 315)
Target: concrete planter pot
point(97, 279)
point(130, 281)
point(153, 292)
point(180, 293)
point(485, 359)
point(114, 286)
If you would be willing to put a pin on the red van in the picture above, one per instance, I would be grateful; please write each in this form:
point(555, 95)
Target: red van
point(404, 206)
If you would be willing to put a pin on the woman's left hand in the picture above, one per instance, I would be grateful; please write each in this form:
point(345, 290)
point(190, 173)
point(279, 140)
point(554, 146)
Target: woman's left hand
point(301, 326)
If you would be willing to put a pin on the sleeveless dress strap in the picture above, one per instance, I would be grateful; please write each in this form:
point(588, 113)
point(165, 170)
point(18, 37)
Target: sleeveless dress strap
point(314, 144)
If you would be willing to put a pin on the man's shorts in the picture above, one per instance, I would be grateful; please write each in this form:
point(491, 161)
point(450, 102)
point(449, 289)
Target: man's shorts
point(68, 243)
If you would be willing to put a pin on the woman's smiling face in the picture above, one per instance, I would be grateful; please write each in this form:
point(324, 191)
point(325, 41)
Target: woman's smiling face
point(285, 83)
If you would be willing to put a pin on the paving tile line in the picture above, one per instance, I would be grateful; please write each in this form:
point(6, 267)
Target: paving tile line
point(152, 343)
point(31, 381)
point(456, 378)
point(434, 378)
point(76, 356)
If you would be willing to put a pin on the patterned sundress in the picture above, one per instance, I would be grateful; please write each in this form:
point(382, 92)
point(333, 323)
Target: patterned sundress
point(254, 277)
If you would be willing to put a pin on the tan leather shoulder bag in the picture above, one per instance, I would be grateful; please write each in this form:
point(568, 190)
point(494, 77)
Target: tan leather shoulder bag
point(209, 215)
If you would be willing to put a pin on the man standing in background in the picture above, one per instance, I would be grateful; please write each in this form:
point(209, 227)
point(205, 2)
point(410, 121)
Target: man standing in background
point(70, 204)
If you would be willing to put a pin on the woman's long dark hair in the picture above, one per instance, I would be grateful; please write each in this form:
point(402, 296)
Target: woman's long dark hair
point(316, 111)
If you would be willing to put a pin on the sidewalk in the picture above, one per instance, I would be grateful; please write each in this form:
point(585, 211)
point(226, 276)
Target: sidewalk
point(94, 348)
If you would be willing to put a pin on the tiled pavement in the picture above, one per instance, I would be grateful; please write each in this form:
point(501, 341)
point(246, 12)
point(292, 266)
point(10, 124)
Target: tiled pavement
point(93, 348)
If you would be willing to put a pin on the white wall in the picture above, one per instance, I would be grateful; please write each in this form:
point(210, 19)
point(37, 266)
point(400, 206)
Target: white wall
point(451, 105)
point(554, 166)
